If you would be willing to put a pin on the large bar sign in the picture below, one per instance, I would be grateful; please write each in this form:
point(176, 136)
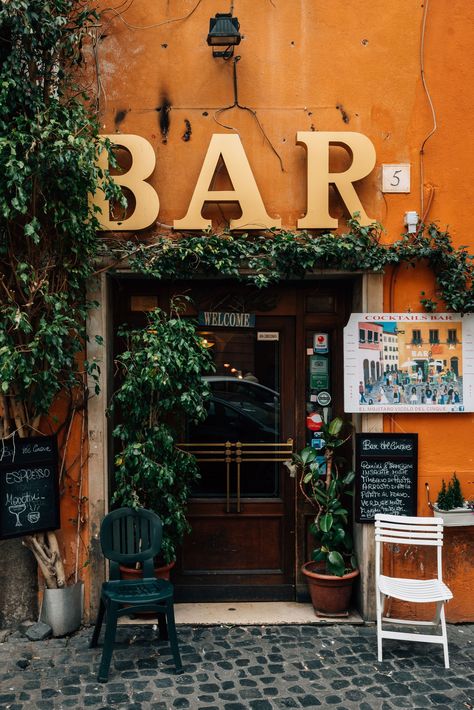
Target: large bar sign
point(226, 319)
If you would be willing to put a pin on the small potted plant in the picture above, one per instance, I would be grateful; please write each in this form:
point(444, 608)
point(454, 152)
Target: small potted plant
point(325, 483)
point(451, 504)
point(162, 388)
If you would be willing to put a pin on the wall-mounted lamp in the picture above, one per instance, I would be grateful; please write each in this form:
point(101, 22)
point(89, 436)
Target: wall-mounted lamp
point(223, 32)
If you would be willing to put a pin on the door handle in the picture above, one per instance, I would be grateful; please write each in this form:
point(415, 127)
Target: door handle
point(238, 460)
point(228, 459)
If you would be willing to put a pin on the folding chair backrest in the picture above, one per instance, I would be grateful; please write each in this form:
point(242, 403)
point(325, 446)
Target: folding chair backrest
point(128, 537)
point(406, 530)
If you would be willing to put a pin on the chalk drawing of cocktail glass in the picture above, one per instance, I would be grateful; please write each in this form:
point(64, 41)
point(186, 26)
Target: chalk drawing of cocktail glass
point(33, 515)
point(16, 510)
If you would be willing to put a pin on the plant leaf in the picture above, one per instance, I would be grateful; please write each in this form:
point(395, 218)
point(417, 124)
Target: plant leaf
point(325, 522)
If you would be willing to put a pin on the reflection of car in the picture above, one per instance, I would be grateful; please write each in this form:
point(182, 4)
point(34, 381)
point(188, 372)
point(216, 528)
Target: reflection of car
point(241, 410)
point(225, 421)
point(243, 392)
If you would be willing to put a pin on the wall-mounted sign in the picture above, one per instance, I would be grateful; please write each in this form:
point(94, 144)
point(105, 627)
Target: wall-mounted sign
point(314, 421)
point(29, 492)
point(320, 343)
point(270, 335)
point(409, 362)
point(396, 177)
point(224, 319)
point(386, 475)
point(323, 398)
point(318, 372)
point(229, 150)
point(317, 442)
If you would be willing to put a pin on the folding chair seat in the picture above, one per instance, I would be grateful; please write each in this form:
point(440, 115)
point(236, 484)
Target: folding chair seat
point(403, 530)
point(129, 537)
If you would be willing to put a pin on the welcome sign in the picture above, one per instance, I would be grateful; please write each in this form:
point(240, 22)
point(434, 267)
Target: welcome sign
point(226, 319)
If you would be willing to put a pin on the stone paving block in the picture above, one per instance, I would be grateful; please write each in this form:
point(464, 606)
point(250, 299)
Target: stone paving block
point(264, 668)
point(38, 631)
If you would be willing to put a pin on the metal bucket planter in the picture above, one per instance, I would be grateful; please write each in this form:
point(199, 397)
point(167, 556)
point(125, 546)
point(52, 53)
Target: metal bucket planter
point(62, 608)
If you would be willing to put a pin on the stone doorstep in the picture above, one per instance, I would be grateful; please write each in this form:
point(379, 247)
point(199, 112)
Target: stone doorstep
point(248, 614)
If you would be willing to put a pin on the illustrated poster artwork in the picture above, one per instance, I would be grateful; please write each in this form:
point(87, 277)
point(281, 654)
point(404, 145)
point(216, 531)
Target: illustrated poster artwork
point(409, 362)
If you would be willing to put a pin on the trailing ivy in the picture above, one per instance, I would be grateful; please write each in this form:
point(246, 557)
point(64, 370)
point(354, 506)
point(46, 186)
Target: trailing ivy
point(266, 258)
point(162, 390)
point(48, 162)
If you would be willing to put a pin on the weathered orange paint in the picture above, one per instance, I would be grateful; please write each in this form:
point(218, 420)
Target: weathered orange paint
point(329, 65)
point(72, 538)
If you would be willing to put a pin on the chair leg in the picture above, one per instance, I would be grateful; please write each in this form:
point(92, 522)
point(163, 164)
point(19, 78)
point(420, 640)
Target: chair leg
point(445, 636)
point(163, 627)
point(98, 625)
point(172, 636)
point(380, 598)
point(110, 629)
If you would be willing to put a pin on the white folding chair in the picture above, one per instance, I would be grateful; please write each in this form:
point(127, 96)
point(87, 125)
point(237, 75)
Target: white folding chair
point(402, 530)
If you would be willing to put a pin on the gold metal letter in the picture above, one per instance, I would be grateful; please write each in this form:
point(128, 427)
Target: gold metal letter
point(147, 203)
point(319, 178)
point(245, 192)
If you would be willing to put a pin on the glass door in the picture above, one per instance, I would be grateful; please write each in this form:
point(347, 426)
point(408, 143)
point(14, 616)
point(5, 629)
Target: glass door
point(241, 511)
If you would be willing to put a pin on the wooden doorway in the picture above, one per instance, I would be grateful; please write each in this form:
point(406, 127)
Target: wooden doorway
point(242, 511)
point(250, 535)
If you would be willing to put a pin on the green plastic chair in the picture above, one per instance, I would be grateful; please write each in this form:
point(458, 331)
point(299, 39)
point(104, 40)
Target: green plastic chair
point(129, 536)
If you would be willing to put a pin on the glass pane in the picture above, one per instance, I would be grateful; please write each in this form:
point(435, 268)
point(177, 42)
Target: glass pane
point(320, 304)
point(244, 407)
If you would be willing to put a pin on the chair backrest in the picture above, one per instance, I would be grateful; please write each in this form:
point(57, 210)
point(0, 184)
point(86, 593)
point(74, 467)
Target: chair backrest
point(406, 530)
point(128, 537)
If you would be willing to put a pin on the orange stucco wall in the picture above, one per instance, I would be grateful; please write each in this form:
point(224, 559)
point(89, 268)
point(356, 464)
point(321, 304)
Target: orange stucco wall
point(73, 487)
point(306, 65)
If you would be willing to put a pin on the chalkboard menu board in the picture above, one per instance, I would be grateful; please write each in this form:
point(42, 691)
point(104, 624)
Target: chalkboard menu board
point(386, 475)
point(29, 491)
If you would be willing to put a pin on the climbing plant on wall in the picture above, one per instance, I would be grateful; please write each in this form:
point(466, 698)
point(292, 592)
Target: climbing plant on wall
point(48, 153)
point(267, 257)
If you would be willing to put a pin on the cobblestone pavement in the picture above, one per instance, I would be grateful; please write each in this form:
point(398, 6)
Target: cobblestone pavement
point(234, 668)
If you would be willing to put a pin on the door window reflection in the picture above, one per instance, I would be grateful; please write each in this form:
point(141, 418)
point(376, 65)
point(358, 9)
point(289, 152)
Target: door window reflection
point(244, 406)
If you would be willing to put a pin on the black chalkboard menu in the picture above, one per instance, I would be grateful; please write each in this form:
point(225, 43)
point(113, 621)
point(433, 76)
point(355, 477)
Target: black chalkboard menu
point(29, 490)
point(386, 475)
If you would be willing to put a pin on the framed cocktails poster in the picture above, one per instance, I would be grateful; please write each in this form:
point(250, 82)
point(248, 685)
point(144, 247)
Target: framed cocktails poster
point(409, 362)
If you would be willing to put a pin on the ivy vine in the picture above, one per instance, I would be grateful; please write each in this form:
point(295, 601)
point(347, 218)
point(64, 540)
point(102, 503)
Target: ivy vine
point(49, 144)
point(266, 258)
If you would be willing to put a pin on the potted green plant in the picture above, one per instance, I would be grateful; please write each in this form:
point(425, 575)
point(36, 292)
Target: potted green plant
point(451, 504)
point(162, 388)
point(325, 483)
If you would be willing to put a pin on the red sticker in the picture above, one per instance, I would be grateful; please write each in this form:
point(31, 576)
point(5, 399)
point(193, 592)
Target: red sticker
point(314, 421)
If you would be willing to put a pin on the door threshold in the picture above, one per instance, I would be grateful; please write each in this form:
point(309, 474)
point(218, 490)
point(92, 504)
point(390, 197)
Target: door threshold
point(249, 614)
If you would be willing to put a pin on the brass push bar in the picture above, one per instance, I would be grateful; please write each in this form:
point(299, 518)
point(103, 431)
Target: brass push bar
point(239, 452)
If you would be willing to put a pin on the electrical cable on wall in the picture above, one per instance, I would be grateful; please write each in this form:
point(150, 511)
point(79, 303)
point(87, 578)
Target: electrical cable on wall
point(118, 14)
point(236, 104)
point(433, 112)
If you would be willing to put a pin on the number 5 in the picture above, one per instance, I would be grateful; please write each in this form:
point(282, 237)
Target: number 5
point(395, 179)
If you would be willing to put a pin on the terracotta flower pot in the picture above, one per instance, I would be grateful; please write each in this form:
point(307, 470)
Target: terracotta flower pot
point(160, 573)
point(330, 595)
